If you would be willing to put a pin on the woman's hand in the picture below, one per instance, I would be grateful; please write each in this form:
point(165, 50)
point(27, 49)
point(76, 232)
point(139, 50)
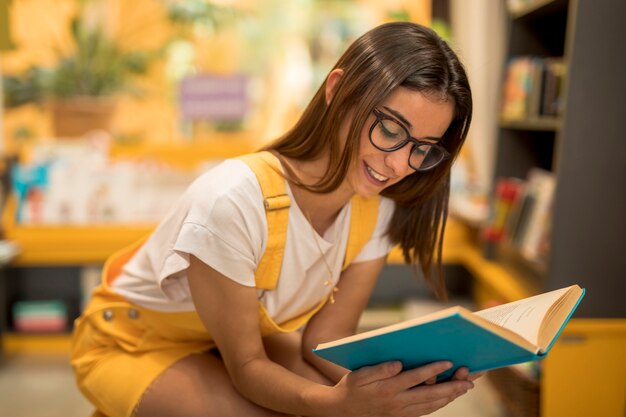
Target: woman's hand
point(462, 374)
point(386, 390)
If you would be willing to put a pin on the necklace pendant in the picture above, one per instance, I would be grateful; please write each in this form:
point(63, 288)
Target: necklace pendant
point(332, 293)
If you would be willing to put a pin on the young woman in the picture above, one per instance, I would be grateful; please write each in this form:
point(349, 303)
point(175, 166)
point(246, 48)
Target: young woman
point(264, 257)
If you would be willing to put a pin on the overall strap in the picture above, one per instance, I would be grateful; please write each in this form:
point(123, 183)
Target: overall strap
point(268, 171)
point(362, 223)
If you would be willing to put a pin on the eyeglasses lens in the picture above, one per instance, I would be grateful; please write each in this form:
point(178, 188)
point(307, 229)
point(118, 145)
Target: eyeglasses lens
point(389, 135)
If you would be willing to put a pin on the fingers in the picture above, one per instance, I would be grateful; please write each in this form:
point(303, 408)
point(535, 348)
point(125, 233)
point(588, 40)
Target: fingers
point(411, 378)
point(463, 374)
point(430, 407)
point(433, 393)
point(431, 381)
point(425, 399)
point(370, 374)
point(416, 389)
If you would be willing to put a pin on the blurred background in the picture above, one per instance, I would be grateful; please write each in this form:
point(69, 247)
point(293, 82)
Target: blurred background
point(111, 108)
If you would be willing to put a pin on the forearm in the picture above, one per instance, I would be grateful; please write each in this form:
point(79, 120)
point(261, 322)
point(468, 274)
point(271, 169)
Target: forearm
point(328, 369)
point(272, 386)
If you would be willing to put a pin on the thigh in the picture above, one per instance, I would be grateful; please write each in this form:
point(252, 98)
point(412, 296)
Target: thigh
point(197, 385)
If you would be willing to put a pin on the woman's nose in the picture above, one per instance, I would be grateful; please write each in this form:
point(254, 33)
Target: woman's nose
point(398, 161)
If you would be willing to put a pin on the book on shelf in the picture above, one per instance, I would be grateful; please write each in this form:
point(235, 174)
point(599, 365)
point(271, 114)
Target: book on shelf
point(553, 79)
point(507, 192)
point(517, 87)
point(542, 184)
point(529, 222)
point(517, 222)
point(512, 333)
point(533, 88)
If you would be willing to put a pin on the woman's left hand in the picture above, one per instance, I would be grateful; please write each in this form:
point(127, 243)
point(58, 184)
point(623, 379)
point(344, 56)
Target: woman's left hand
point(461, 374)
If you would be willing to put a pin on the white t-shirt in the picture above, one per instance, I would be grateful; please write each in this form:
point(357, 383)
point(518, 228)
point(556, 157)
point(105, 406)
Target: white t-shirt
point(220, 219)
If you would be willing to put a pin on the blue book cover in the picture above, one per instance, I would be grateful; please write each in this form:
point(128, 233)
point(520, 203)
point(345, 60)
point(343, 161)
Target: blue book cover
point(473, 340)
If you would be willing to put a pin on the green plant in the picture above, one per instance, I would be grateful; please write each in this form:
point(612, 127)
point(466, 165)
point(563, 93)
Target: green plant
point(96, 67)
point(22, 89)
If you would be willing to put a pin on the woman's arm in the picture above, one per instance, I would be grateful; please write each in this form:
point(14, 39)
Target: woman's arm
point(340, 319)
point(230, 313)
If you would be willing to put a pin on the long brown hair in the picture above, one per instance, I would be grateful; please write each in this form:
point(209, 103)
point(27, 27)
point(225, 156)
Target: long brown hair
point(398, 54)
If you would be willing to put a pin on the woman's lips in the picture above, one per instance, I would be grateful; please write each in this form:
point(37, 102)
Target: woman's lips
point(374, 176)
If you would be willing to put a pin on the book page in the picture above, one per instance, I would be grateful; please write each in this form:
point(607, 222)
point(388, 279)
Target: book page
point(524, 317)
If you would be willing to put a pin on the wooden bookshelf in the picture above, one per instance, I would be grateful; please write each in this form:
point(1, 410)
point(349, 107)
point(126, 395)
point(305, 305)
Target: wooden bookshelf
point(583, 375)
point(582, 242)
point(36, 344)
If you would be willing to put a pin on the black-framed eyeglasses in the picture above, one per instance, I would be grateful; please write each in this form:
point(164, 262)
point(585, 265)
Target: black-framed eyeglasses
point(388, 134)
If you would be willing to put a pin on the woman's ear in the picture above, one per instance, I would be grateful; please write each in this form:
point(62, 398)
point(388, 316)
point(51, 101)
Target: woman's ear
point(331, 83)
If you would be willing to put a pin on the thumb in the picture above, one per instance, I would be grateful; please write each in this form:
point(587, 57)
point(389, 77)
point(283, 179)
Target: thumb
point(369, 374)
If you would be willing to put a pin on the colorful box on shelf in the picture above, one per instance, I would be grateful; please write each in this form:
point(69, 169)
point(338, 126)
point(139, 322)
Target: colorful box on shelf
point(40, 316)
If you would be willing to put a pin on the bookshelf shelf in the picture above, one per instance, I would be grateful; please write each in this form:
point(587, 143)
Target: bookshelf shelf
point(14, 343)
point(547, 124)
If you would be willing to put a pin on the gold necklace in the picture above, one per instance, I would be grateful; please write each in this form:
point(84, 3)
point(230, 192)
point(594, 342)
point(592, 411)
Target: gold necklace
point(328, 268)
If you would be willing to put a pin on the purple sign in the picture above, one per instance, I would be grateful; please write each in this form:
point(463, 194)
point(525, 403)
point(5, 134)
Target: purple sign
point(214, 97)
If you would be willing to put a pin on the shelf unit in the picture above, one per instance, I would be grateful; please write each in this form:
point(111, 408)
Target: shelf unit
point(583, 147)
point(585, 150)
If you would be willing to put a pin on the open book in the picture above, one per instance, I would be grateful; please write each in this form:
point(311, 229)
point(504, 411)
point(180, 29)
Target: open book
point(507, 334)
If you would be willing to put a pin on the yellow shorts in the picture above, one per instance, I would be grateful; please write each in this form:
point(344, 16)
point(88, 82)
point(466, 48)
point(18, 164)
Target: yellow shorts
point(119, 349)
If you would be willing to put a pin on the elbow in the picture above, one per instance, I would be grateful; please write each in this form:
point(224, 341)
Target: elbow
point(242, 373)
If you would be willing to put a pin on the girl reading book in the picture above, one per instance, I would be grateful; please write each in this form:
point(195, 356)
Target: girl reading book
point(265, 256)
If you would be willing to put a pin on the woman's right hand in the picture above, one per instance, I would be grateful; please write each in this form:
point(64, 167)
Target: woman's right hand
point(386, 390)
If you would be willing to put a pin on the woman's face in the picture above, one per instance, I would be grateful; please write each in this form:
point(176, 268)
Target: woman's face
point(425, 116)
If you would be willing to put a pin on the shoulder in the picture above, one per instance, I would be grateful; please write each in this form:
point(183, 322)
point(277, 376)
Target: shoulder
point(227, 176)
point(229, 188)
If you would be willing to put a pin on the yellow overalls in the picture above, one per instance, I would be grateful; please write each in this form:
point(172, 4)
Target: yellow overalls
point(119, 348)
